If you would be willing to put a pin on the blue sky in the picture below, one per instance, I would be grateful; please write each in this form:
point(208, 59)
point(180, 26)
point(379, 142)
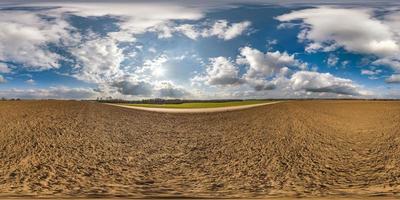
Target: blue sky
point(199, 50)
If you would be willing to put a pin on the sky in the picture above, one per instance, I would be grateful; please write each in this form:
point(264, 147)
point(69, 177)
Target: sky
point(199, 49)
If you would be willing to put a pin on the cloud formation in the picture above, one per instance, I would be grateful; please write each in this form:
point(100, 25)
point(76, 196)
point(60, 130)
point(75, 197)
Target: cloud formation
point(4, 68)
point(50, 93)
point(262, 66)
point(24, 37)
point(394, 78)
point(166, 89)
point(220, 71)
point(324, 83)
point(98, 60)
point(271, 70)
point(370, 72)
point(332, 60)
point(134, 87)
point(161, 89)
point(328, 28)
point(117, 62)
point(356, 30)
point(221, 29)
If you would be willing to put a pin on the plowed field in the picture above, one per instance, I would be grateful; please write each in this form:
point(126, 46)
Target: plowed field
point(295, 148)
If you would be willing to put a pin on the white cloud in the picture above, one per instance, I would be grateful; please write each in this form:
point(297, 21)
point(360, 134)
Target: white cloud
point(260, 68)
point(345, 63)
point(332, 60)
point(324, 83)
point(166, 89)
point(24, 37)
point(220, 71)
point(300, 84)
point(392, 19)
point(27, 34)
point(131, 86)
point(264, 65)
point(221, 29)
point(152, 50)
point(355, 30)
point(370, 72)
point(98, 60)
point(188, 30)
point(271, 43)
point(328, 28)
point(135, 17)
point(50, 93)
point(394, 78)
point(4, 68)
point(134, 87)
point(389, 61)
point(2, 79)
point(153, 68)
point(30, 81)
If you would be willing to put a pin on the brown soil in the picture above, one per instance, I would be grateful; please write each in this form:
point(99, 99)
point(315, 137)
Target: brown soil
point(299, 148)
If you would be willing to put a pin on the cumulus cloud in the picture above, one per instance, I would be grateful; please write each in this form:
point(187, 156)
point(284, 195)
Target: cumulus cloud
point(323, 82)
point(371, 72)
point(221, 29)
point(328, 28)
point(134, 87)
point(31, 38)
point(166, 89)
point(50, 93)
point(135, 17)
point(98, 60)
point(220, 71)
point(24, 37)
point(391, 19)
point(332, 60)
point(189, 30)
point(388, 61)
point(261, 66)
point(263, 71)
point(394, 78)
point(160, 89)
point(4, 68)
point(153, 67)
point(30, 82)
point(27, 36)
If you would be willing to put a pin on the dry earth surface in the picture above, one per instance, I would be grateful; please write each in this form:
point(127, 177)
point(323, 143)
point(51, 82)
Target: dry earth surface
point(290, 149)
point(194, 110)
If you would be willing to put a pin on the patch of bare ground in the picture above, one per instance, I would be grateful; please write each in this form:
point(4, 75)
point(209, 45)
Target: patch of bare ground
point(290, 149)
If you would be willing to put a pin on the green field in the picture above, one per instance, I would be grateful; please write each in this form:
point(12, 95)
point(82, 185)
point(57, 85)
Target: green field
point(201, 104)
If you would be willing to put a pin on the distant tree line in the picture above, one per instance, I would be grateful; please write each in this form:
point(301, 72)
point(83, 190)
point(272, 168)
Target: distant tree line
point(180, 101)
point(12, 99)
point(161, 101)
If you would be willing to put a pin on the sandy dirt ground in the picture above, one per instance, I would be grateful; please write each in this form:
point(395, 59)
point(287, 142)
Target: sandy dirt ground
point(291, 149)
point(195, 110)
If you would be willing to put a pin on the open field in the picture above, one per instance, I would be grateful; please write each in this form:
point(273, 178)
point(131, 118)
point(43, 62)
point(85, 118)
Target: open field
point(201, 104)
point(289, 149)
point(196, 110)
